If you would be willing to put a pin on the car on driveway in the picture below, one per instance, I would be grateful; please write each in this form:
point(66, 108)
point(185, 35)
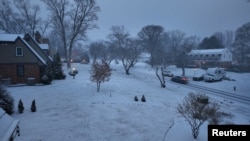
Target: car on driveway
point(180, 79)
point(167, 73)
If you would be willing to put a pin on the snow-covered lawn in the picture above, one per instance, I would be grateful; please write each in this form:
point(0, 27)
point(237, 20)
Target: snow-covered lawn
point(72, 110)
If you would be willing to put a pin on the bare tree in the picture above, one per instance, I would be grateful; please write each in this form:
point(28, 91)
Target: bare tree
point(219, 36)
point(130, 54)
point(7, 22)
point(56, 44)
point(229, 39)
point(152, 37)
point(226, 38)
point(128, 49)
point(98, 50)
point(30, 15)
point(176, 39)
point(20, 16)
point(160, 77)
point(241, 45)
point(72, 19)
point(197, 108)
point(111, 52)
point(99, 73)
point(194, 112)
point(133, 53)
point(187, 45)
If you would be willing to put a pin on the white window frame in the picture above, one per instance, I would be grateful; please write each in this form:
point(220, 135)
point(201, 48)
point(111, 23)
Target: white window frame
point(18, 52)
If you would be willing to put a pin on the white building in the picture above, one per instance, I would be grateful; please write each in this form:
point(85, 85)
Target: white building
point(210, 58)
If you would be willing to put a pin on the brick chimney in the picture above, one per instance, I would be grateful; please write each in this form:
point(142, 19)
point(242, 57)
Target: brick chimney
point(38, 37)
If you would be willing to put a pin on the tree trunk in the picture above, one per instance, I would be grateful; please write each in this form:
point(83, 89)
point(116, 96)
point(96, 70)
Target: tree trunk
point(69, 59)
point(98, 84)
point(127, 71)
point(183, 70)
point(162, 81)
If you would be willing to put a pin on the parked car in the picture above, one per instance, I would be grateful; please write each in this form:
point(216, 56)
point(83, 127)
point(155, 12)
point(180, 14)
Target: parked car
point(167, 73)
point(198, 77)
point(180, 79)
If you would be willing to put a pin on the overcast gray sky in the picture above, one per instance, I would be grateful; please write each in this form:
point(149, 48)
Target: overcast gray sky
point(193, 17)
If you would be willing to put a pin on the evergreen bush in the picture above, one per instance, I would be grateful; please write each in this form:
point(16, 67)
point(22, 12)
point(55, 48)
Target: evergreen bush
point(143, 99)
point(136, 98)
point(57, 67)
point(48, 74)
point(20, 106)
point(33, 106)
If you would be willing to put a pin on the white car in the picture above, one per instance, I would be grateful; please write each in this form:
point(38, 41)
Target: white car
point(167, 73)
point(198, 77)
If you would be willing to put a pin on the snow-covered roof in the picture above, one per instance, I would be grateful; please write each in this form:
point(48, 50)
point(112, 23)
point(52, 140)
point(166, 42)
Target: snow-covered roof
point(9, 37)
point(41, 59)
point(8, 125)
point(13, 37)
point(208, 51)
point(44, 46)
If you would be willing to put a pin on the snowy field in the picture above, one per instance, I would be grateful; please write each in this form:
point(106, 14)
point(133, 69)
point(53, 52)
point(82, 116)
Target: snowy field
point(72, 110)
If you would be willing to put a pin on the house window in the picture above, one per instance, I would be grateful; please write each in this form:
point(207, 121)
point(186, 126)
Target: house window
point(20, 70)
point(19, 51)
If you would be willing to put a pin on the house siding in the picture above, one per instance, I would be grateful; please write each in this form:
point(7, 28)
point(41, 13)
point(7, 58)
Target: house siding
point(8, 53)
point(10, 70)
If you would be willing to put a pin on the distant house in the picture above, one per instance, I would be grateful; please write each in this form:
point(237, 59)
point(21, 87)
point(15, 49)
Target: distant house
point(210, 58)
point(9, 127)
point(21, 58)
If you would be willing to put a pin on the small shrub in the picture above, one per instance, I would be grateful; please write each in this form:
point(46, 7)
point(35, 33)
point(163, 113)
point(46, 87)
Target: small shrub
point(48, 74)
point(59, 75)
point(143, 99)
point(46, 79)
point(20, 106)
point(136, 98)
point(33, 106)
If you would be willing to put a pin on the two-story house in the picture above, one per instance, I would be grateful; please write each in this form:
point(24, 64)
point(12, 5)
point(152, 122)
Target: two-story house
point(210, 58)
point(21, 58)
